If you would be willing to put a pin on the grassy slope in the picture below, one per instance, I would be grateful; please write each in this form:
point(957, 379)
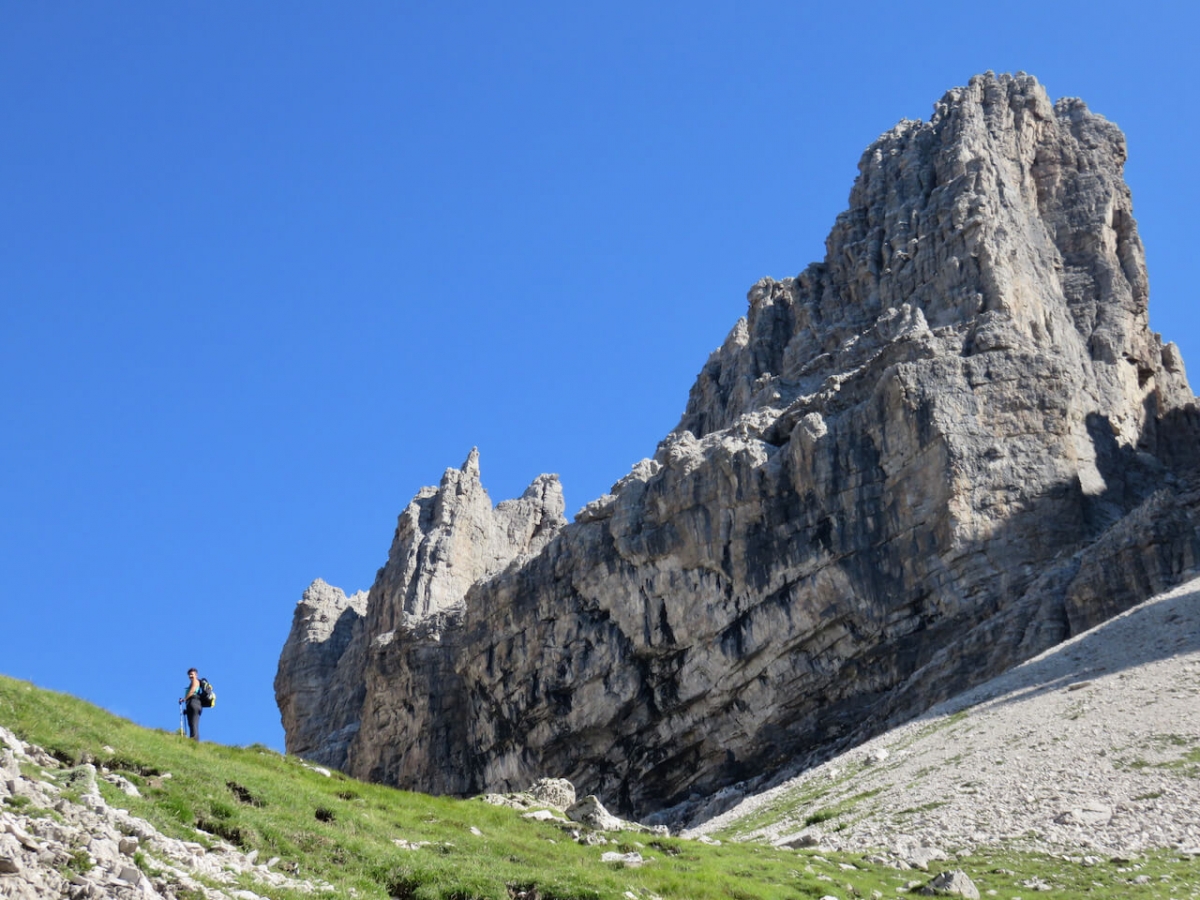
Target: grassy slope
point(341, 831)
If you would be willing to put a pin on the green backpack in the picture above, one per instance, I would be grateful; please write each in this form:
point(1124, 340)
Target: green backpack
point(208, 696)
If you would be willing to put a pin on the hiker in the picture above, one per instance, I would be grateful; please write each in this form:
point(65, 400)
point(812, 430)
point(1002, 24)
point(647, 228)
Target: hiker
point(191, 702)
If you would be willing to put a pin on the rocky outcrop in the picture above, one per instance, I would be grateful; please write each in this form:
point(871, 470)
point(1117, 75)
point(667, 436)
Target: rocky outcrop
point(447, 539)
point(911, 466)
point(322, 675)
point(59, 838)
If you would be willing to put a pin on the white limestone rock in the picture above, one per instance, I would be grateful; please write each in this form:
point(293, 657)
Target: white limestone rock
point(1088, 816)
point(946, 447)
point(543, 815)
point(591, 812)
point(954, 883)
point(631, 860)
point(557, 793)
point(321, 706)
point(35, 849)
point(448, 539)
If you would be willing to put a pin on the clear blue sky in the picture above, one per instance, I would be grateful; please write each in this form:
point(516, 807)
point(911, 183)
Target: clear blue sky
point(267, 269)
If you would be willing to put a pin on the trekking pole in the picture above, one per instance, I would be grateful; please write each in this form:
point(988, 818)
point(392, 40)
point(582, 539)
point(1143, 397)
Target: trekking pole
point(181, 717)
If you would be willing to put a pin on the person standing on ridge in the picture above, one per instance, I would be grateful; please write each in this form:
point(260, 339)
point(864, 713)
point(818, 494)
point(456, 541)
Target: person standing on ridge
point(191, 702)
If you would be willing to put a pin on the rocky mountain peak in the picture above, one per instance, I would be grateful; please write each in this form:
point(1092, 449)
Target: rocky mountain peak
point(1002, 223)
point(948, 446)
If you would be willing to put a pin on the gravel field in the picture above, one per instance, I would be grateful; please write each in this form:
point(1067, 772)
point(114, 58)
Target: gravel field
point(1092, 747)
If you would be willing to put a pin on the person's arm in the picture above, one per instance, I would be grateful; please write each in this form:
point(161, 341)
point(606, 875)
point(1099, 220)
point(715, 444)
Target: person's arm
point(193, 688)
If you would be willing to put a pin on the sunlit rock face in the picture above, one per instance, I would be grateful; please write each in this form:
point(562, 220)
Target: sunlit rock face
point(448, 539)
point(949, 445)
point(319, 681)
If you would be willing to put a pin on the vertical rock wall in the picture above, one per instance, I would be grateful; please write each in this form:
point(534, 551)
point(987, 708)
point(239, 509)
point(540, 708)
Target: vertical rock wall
point(339, 658)
point(319, 682)
point(905, 469)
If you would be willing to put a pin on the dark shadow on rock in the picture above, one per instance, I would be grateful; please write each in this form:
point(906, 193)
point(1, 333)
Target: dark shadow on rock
point(1151, 544)
point(1139, 538)
point(343, 631)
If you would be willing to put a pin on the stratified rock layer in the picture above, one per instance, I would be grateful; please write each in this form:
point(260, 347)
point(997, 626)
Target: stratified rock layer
point(950, 445)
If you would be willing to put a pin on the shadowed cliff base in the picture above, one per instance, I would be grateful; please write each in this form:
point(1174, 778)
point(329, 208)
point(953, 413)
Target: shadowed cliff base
point(1090, 748)
point(949, 444)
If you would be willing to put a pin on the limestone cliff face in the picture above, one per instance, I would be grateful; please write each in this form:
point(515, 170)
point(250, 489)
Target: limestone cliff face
point(447, 539)
point(949, 445)
point(319, 680)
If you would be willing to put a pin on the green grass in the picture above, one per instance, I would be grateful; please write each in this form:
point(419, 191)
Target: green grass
point(839, 810)
point(341, 831)
point(924, 807)
point(1186, 763)
point(808, 804)
point(800, 806)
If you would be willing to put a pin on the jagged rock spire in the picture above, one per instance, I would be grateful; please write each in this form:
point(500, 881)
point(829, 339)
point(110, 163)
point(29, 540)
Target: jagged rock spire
point(447, 539)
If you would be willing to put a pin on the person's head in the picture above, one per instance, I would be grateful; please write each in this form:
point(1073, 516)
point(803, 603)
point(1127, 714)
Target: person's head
point(191, 673)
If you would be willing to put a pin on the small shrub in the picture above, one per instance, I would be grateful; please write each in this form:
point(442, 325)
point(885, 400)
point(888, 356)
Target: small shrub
point(80, 862)
point(64, 756)
point(142, 861)
point(402, 886)
point(821, 815)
